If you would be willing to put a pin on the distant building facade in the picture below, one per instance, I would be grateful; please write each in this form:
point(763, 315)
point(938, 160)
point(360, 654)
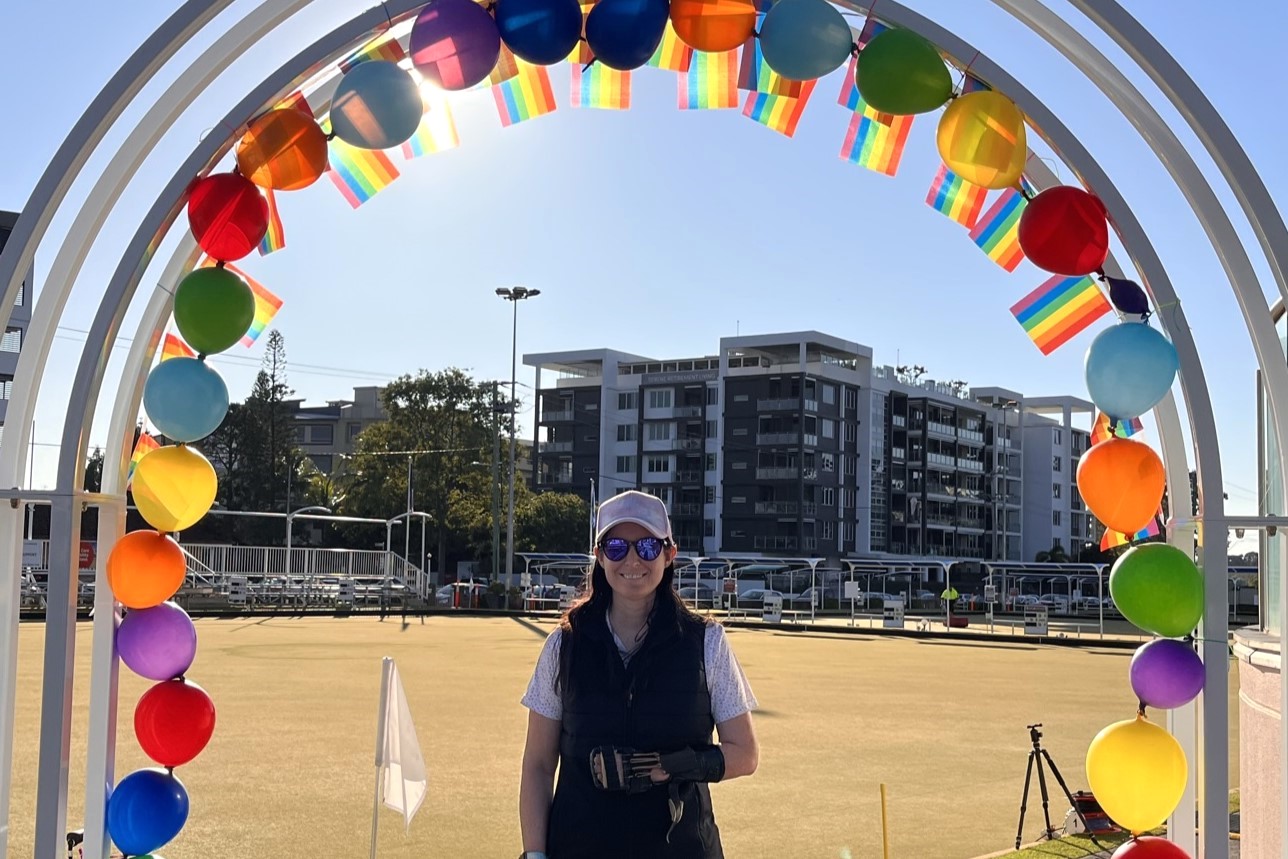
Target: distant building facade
point(15, 331)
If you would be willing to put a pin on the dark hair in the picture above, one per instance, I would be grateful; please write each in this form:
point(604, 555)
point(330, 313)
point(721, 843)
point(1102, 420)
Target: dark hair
point(669, 610)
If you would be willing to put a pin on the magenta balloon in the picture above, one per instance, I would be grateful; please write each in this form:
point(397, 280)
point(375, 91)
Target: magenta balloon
point(158, 643)
point(1166, 673)
point(454, 43)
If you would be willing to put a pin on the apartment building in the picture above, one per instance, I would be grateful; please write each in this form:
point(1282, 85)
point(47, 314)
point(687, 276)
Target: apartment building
point(15, 330)
point(1053, 509)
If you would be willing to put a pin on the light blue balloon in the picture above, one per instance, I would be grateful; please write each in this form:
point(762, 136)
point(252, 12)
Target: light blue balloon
point(186, 399)
point(376, 106)
point(805, 39)
point(1130, 368)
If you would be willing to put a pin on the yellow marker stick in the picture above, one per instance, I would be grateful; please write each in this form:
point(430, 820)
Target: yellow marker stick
point(885, 834)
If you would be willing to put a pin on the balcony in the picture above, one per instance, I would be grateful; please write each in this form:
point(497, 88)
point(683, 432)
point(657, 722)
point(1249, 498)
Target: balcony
point(970, 465)
point(686, 508)
point(549, 417)
point(942, 460)
point(784, 544)
point(688, 444)
point(898, 454)
point(556, 479)
point(688, 477)
point(786, 508)
point(789, 473)
point(898, 421)
point(555, 447)
point(778, 405)
point(778, 438)
point(943, 430)
point(687, 412)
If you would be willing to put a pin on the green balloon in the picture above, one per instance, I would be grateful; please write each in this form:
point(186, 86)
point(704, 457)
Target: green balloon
point(899, 72)
point(1158, 588)
point(213, 309)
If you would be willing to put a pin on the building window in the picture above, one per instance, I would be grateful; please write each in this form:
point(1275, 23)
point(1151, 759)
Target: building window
point(708, 527)
point(659, 431)
point(829, 428)
point(626, 465)
point(323, 463)
point(711, 462)
point(851, 433)
point(1055, 518)
point(739, 466)
point(829, 530)
point(713, 396)
point(300, 437)
point(354, 430)
point(829, 394)
point(827, 462)
point(740, 398)
point(660, 399)
point(6, 387)
point(828, 496)
point(739, 431)
point(324, 434)
point(626, 432)
point(1055, 490)
point(1057, 464)
point(12, 340)
point(628, 400)
point(658, 464)
point(713, 429)
point(847, 498)
point(709, 494)
point(1057, 437)
point(852, 399)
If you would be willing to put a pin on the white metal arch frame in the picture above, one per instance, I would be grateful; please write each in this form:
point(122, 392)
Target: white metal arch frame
point(1153, 283)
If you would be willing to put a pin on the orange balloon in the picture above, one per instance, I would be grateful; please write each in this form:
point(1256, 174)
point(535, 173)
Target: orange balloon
point(145, 569)
point(1122, 482)
point(283, 149)
point(713, 25)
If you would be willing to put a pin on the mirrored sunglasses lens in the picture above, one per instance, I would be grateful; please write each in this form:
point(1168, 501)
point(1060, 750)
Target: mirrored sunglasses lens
point(648, 548)
point(616, 549)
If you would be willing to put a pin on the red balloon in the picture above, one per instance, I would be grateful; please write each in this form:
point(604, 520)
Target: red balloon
point(1065, 231)
point(173, 722)
point(1149, 847)
point(228, 215)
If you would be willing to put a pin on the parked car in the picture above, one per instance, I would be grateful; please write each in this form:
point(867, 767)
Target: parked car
point(754, 598)
point(702, 596)
point(1055, 603)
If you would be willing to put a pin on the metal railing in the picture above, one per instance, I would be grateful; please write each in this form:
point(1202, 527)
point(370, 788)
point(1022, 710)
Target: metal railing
point(554, 447)
point(687, 412)
point(789, 473)
point(785, 508)
point(553, 417)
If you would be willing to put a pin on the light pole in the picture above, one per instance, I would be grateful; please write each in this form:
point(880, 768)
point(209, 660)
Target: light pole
point(513, 295)
point(290, 520)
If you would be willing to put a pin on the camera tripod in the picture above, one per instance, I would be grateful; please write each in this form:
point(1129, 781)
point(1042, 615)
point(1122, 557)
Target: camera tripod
point(1035, 760)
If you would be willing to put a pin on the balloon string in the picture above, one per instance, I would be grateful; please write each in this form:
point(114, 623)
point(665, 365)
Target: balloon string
point(384, 7)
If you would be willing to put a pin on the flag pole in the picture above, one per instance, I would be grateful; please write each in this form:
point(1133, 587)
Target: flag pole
point(381, 722)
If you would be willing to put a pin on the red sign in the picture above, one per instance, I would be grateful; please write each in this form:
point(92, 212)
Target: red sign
point(87, 555)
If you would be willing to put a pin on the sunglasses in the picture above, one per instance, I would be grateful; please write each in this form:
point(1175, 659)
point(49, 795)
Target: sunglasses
point(648, 548)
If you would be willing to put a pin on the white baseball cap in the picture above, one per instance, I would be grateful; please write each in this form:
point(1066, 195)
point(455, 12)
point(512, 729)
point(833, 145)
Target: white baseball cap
point(643, 509)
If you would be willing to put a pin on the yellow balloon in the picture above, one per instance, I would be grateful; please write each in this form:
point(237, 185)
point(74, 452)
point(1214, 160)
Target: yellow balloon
point(174, 487)
point(1137, 772)
point(982, 139)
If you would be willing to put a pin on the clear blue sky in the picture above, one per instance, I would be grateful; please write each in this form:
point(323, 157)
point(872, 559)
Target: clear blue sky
point(655, 231)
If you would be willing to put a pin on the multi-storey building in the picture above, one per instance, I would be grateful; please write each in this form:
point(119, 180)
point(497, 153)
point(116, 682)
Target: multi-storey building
point(328, 433)
point(792, 444)
point(1053, 509)
point(16, 328)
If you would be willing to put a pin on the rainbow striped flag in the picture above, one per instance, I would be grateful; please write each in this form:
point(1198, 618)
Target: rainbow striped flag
point(970, 84)
point(1114, 539)
point(296, 101)
point(266, 303)
point(1059, 309)
point(671, 54)
point(174, 347)
point(1100, 430)
point(379, 48)
point(526, 96)
point(436, 132)
point(601, 86)
point(711, 82)
point(849, 97)
point(360, 174)
point(782, 113)
point(581, 54)
point(955, 197)
point(755, 75)
point(145, 445)
point(506, 68)
point(998, 232)
point(275, 238)
point(876, 140)
point(871, 29)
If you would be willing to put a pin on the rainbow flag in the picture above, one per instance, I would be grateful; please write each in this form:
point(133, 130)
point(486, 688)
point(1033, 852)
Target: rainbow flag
point(671, 54)
point(600, 86)
point(526, 96)
point(871, 29)
point(1059, 309)
point(755, 75)
point(1114, 539)
point(275, 238)
point(436, 133)
point(145, 445)
point(174, 347)
point(379, 48)
point(782, 113)
point(711, 82)
point(506, 68)
point(955, 197)
point(266, 303)
point(849, 97)
point(876, 140)
point(581, 54)
point(360, 174)
point(1100, 430)
point(998, 231)
point(970, 84)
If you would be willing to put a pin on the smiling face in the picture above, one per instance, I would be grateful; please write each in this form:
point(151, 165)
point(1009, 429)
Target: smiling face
point(632, 577)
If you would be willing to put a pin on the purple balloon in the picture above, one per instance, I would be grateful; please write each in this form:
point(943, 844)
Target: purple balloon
point(454, 43)
point(1166, 673)
point(158, 643)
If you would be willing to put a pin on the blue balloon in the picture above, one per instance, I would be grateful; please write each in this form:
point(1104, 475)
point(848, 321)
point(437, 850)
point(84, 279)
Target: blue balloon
point(146, 810)
point(805, 39)
point(1130, 368)
point(623, 34)
point(186, 398)
point(539, 31)
point(376, 106)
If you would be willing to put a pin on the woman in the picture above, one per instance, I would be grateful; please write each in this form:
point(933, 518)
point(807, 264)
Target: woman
point(624, 698)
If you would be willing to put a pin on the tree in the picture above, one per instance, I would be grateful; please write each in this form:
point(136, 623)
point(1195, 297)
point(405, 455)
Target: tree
point(1055, 555)
point(553, 522)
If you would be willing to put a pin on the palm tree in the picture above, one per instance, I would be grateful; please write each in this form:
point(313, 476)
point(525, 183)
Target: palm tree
point(1055, 555)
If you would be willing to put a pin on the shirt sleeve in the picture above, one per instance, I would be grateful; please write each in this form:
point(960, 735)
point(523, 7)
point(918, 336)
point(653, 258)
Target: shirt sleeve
point(542, 697)
point(731, 694)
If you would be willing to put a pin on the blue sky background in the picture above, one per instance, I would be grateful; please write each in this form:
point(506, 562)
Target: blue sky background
point(655, 231)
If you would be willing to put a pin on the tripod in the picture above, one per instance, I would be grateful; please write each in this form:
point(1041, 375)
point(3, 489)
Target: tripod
point(1036, 756)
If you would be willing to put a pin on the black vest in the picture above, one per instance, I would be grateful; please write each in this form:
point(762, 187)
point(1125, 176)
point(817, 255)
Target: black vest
point(657, 703)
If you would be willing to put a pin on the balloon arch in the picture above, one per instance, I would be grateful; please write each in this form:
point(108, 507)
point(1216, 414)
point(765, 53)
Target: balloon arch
point(800, 39)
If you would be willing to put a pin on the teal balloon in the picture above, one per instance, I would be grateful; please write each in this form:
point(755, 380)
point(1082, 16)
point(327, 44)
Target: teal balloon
point(213, 309)
point(376, 106)
point(805, 39)
point(1129, 369)
point(899, 72)
point(186, 399)
point(1158, 588)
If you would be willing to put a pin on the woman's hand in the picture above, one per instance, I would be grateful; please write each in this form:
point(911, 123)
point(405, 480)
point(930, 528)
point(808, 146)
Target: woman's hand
point(657, 775)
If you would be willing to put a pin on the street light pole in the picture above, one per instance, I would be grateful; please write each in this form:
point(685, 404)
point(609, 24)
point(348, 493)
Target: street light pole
point(513, 295)
point(290, 520)
point(496, 489)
